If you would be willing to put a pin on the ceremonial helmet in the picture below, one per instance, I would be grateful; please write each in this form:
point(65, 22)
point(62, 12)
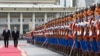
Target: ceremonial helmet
point(91, 10)
point(92, 7)
point(81, 12)
point(85, 10)
point(98, 5)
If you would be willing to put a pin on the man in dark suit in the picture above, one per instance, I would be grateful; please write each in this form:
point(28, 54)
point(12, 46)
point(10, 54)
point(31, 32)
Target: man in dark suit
point(6, 35)
point(15, 35)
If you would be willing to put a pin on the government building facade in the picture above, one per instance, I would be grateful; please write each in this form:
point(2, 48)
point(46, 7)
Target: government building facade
point(28, 14)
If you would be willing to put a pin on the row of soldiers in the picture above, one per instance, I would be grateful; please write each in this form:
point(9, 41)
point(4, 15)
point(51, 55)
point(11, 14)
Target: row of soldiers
point(79, 26)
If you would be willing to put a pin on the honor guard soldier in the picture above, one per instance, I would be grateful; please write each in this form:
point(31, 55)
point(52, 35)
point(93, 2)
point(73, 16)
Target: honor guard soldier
point(78, 38)
point(70, 26)
point(55, 39)
point(97, 18)
point(70, 32)
point(51, 25)
point(61, 33)
point(97, 12)
point(56, 33)
point(85, 15)
point(90, 13)
point(74, 29)
point(66, 34)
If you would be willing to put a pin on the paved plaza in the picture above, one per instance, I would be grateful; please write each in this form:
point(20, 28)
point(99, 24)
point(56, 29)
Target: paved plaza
point(32, 50)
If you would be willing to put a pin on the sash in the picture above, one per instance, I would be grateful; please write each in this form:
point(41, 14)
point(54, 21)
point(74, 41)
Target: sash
point(79, 19)
point(84, 18)
point(89, 17)
point(97, 17)
point(94, 34)
point(71, 33)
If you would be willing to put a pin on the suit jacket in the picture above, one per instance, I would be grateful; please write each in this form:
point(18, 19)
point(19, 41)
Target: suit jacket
point(6, 34)
point(15, 35)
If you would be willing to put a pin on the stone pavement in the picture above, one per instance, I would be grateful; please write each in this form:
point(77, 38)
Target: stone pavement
point(33, 50)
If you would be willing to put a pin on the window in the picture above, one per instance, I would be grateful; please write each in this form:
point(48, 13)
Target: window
point(6, 20)
point(39, 8)
point(65, 3)
point(31, 20)
point(74, 3)
point(1, 8)
point(10, 20)
point(18, 20)
point(89, 2)
point(36, 25)
point(64, 8)
point(98, 1)
point(14, 8)
point(39, 20)
point(35, 19)
point(23, 20)
point(42, 19)
point(51, 8)
point(58, 1)
point(27, 8)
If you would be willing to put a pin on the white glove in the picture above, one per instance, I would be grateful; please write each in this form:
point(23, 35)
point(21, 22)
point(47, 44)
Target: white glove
point(78, 32)
point(97, 32)
point(84, 33)
point(90, 33)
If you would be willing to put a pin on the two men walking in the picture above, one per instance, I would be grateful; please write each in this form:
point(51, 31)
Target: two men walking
point(6, 34)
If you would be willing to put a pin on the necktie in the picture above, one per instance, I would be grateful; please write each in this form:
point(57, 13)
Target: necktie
point(15, 31)
point(6, 30)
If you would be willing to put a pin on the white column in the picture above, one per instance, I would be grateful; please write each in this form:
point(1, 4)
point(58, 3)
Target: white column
point(45, 18)
point(33, 20)
point(21, 23)
point(57, 15)
point(8, 20)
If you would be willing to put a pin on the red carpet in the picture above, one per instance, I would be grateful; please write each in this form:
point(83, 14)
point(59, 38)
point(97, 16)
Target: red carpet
point(10, 51)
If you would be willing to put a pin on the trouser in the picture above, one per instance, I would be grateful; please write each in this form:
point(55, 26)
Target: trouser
point(6, 39)
point(15, 42)
point(32, 39)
